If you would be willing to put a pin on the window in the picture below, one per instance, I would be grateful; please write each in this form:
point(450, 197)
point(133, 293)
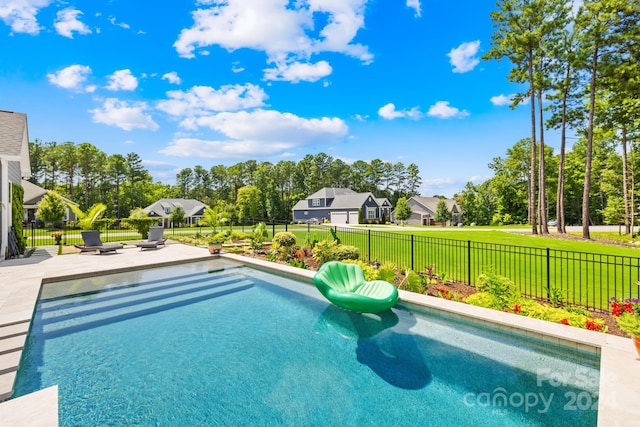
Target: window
point(371, 213)
point(167, 210)
point(315, 202)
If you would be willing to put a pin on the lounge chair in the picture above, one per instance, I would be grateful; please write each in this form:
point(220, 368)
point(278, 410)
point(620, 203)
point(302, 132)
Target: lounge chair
point(93, 243)
point(155, 238)
point(345, 286)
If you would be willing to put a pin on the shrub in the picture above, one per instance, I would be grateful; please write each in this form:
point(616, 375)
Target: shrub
point(387, 272)
point(17, 215)
point(324, 251)
point(412, 282)
point(284, 239)
point(235, 236)
point(500, 287)
point(344, 252)
point(220, 237)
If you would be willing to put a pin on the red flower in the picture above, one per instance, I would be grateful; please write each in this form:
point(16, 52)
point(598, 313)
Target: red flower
point(564, 321)
point(616, 309)
point(506, 310)
point(516, 308)
point(592, 326)
point(627, 307)
point(447, 296)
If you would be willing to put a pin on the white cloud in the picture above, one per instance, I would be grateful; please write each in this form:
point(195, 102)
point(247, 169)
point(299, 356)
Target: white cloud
point(20, 15)
point(172, 77)
point(502, 100)
point(389, 112)
point(124, 25)
point(201, 100)
point(463, 57)
point(258, 133)
point(126, 116)
point(237, 68)
point(122, 80)
point(72, 77)
point(299, 71)
point(360, 117)
point(279, 28)
point(67, 22)
point(415, 5)
point(442, 110)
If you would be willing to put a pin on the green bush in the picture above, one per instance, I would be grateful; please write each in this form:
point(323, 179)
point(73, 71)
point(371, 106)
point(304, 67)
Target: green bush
point(500, 287)
point(235, 236)
point(387, 272)
point(17, 200)
point(344, 252)
point(220, 237)
point(324, 251)
point(284, 239)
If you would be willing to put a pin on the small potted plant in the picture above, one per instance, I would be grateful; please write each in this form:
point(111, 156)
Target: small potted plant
point(215, 245)
point(57, 235)
point(628, 316)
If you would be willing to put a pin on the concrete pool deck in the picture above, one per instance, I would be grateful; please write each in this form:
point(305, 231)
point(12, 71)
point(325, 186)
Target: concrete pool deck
point(22, 279)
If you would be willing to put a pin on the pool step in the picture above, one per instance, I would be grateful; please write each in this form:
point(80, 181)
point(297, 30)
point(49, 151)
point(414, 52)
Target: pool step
point(6, 384)
point(58, 318)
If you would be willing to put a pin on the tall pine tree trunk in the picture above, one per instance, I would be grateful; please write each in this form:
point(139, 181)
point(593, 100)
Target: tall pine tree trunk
point(625, 183)
point(532, 170)
point(560, 222)
point(589, 156)
point(542, 188)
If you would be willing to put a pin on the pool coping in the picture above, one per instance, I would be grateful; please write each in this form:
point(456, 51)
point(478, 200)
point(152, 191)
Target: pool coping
point(619, 366)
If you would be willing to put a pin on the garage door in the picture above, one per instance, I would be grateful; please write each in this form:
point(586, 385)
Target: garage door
point(338, 217)
point(353, 217)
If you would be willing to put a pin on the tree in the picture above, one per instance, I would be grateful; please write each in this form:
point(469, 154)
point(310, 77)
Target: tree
point(135, 175)
point(614, 212)
point(141, 221)
point(51, 208)
point(249, 206)
point(403, 210)
point(178, 216)
point(117, 170)
point(442, 213)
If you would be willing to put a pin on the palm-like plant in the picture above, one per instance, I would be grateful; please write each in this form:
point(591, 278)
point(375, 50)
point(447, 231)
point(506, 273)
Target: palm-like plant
point(87, 220)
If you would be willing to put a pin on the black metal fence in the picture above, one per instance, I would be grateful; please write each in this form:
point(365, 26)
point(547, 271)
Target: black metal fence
point(577, 278)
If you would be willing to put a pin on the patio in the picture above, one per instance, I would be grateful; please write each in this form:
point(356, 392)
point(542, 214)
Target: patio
point(22, 279)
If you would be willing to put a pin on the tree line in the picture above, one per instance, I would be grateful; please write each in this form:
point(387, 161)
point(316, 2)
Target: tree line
point(87, 176)
point(581, 71)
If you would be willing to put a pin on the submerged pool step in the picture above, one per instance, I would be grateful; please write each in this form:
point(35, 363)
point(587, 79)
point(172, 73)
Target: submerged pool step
point(134, 289)
point(89, 315)
point(133, 297)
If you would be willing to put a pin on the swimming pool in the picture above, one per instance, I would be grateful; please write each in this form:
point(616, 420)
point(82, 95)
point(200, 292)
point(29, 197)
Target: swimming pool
point(216, 343)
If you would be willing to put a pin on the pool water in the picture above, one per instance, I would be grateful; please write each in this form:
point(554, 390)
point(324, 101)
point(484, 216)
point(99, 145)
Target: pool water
point(216, 343)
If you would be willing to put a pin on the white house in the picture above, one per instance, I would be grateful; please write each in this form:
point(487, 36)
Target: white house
point(14, 165)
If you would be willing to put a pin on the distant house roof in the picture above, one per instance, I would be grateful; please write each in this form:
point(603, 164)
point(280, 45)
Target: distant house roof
point(34, 193)
point(191, 207)
point(14, 140)
point(330, 193)
point(337, 198)
point(431, 204)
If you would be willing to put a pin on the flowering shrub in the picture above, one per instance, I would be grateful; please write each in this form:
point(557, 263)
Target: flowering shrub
point(628, 314)
point(447, 294)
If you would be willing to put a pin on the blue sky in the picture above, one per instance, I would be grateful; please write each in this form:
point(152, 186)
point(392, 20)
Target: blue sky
point(185, 83)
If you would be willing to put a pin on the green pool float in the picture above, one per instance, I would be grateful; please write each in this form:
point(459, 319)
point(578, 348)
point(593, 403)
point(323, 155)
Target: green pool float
point(345, 286)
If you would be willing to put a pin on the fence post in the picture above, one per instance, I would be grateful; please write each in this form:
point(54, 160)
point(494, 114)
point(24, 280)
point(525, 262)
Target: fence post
point(273, 228)
point(548, 275)
point(286, 226)
point(33, 234)
point(412, 264)
point(369, 245)
point(469, 262)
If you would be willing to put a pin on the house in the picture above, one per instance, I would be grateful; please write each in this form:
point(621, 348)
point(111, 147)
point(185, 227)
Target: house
point(193, 210)
point(14, 165)
point(341, 206)
point(423, 210)
point(32, 196)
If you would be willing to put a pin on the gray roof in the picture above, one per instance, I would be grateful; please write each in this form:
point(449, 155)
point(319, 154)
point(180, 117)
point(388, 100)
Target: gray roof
point(431, 203)
point(330, 193)
point(34, 193)
point(343, 198)
point(14, 139)
point(189, 206)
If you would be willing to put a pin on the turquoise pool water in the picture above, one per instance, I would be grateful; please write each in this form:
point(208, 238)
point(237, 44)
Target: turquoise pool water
point(216, 343)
